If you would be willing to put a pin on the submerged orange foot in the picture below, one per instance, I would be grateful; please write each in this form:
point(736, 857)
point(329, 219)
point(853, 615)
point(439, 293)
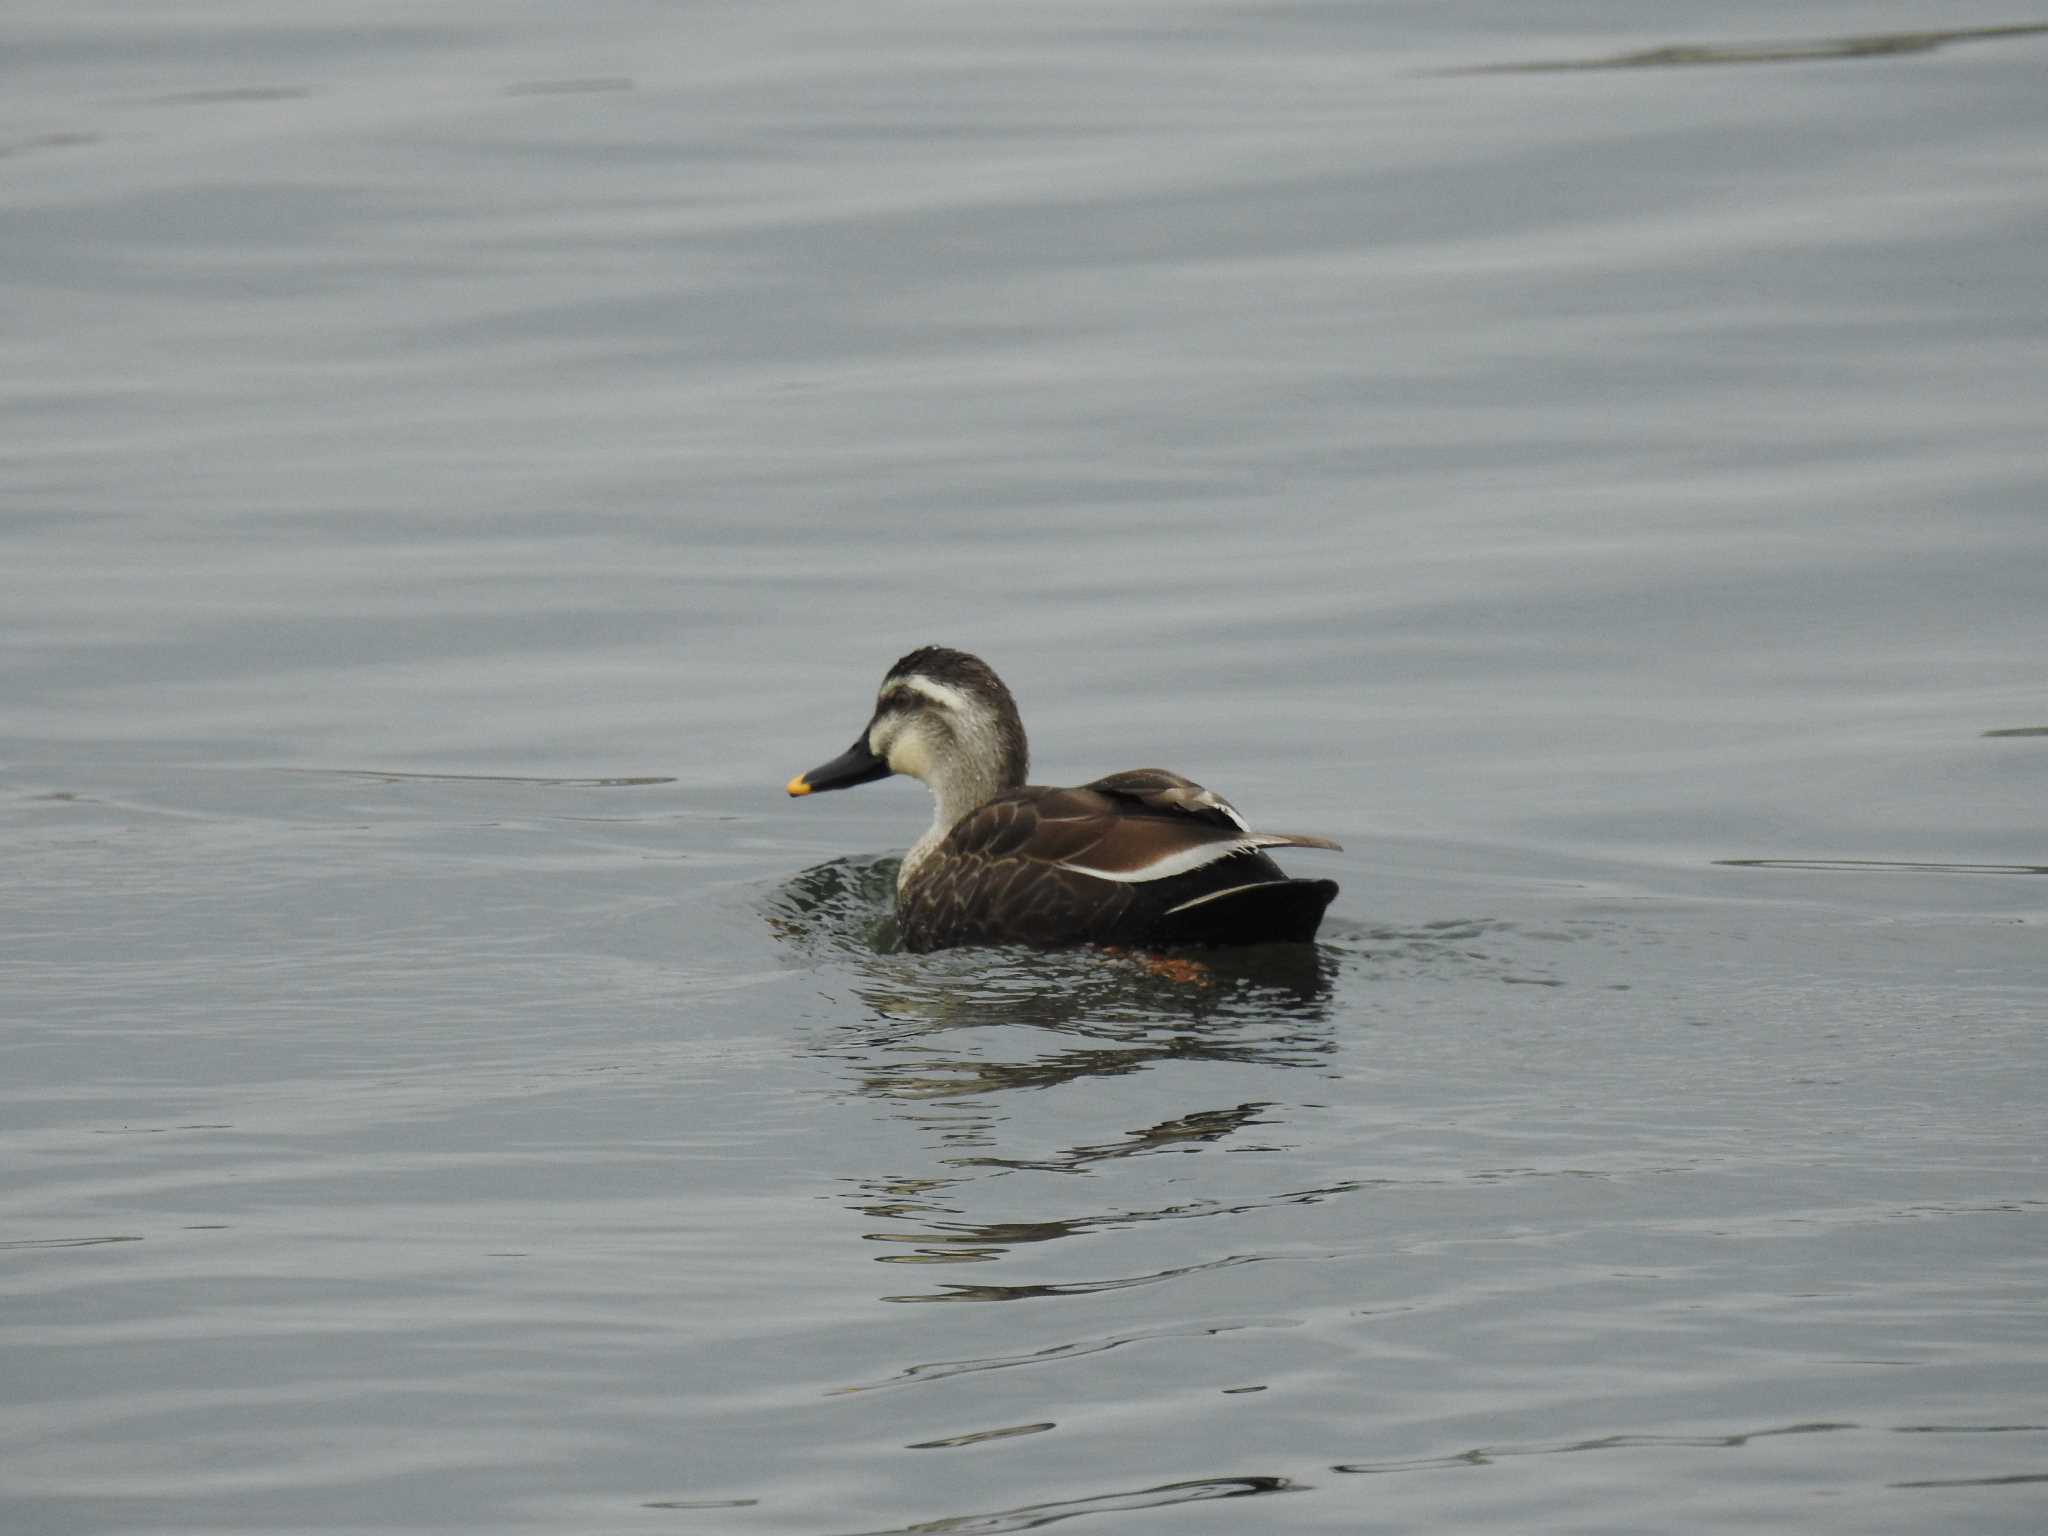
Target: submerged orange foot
point(1180, 968)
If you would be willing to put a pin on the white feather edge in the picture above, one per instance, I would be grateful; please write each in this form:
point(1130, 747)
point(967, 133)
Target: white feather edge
point(1209, 800)
point(1194, 858)
point(1228, 890)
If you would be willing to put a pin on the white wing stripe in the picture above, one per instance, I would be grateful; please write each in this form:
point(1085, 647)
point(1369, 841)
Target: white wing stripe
point(1228, 890)
point(1178, 863)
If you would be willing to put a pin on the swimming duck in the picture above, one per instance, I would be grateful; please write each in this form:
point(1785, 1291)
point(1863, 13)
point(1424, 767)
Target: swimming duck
point(1144, 858)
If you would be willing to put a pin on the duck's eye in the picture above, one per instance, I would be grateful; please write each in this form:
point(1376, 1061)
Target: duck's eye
point(898, 698)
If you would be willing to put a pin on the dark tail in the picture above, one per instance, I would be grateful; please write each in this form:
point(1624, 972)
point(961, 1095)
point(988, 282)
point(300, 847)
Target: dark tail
point(1262, 912)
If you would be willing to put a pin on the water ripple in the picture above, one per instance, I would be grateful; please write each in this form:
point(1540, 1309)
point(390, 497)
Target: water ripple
point(1483, 1456)
point(1029, 1517)
point(1874, 45)
point(943, 1370)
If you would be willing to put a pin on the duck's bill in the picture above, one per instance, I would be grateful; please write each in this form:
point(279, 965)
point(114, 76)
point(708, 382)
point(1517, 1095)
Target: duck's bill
point(856, 765)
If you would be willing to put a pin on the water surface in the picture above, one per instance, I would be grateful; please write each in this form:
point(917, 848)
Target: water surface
point(457, 468)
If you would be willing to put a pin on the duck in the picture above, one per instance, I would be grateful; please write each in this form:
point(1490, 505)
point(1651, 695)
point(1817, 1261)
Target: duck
point(1145, 858)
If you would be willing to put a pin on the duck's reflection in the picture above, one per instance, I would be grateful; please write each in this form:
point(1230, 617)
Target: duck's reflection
point(952, 1042)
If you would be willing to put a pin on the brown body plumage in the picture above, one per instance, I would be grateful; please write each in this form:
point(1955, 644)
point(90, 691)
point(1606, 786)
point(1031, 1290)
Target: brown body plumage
point(1144, 857)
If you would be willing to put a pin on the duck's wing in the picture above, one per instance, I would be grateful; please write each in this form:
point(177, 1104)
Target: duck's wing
point(1115, 861)
point(1143, 825)
point(1169, 793)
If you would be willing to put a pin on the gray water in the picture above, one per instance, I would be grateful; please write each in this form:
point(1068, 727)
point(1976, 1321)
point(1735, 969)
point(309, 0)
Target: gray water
point(456, 463)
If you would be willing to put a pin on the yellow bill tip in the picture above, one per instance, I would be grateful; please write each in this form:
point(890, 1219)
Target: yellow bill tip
point(797, 786)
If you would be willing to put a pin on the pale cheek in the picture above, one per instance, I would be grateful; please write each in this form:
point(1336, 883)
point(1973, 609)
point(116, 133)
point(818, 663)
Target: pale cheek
point(907, 755)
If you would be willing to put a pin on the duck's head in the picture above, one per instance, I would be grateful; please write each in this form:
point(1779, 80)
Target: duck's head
point(941, 716)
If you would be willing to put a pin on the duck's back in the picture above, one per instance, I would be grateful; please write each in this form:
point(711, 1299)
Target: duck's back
point(1145, 858)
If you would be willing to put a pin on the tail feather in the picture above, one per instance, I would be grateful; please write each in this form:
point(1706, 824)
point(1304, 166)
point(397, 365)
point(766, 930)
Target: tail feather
point(1261, 912)
point(1295, 840)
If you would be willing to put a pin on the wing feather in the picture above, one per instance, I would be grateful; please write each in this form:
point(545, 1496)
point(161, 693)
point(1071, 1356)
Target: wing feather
point(1046, 866)
point(1163, 790)
point(1147, 824)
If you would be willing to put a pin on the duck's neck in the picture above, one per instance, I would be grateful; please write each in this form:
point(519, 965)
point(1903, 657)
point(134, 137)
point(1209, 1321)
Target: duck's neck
point(965, 783)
